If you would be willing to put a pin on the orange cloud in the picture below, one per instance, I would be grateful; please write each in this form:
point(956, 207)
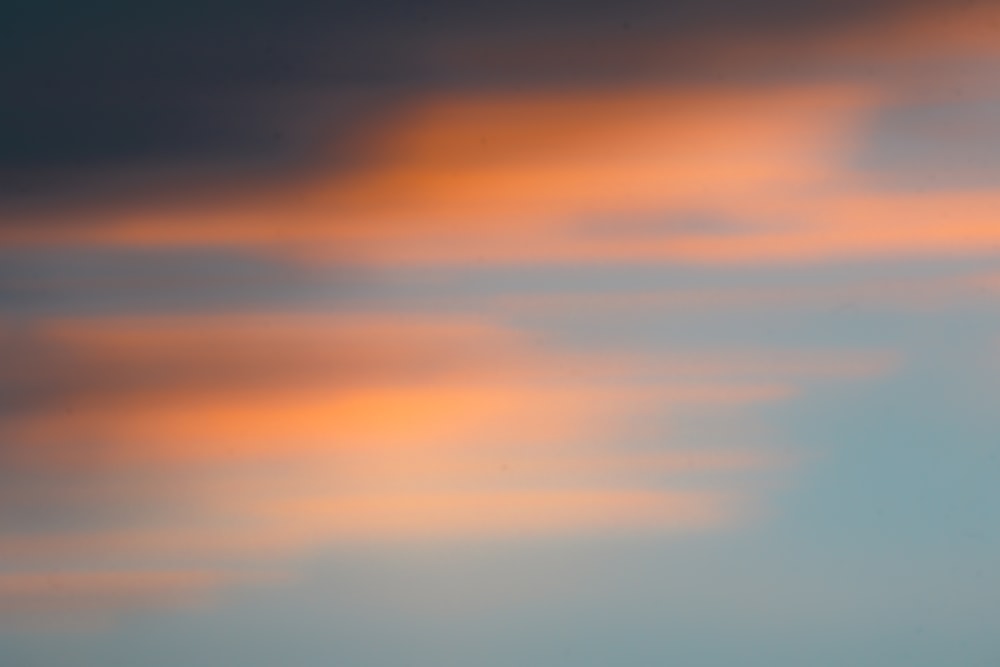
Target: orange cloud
point(249, 435)
point(461, 172)
point(847, 226)
point(200, 443)
point(613, 173)
point(137, 391)
point(113, 359)
point(698, 175)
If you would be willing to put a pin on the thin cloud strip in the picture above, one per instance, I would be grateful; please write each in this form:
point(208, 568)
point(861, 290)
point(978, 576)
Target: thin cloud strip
point(92, 599)
point(907, 294)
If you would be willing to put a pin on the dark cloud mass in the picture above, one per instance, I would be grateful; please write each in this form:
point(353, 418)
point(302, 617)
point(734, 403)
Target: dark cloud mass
point(122, 98)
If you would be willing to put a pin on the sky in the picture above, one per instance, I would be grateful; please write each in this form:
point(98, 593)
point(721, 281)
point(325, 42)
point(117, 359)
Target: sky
point(444, 334)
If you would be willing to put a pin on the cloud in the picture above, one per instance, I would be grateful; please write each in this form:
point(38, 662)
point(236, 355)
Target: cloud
point(201, 437)
point(769, 170)
point(507, 514)
point(185, 104)
point(91, 599)
point(697, 174)
point(589, 176)
point(134, 391)
point(898, 293)
point(481, 175)
point(61, 361)
point(192, 447)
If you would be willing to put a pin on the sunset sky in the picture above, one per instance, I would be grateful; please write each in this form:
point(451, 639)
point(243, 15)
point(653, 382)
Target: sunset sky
point(525, 334)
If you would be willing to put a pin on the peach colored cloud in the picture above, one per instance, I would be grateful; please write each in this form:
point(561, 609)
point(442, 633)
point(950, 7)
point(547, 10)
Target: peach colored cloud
point(571, 173)
point(111, 359)
point(752, 173)
point(134, 391)
point(248, 441)
point(497, 514)
point(821, 228)
point(230, 425)
point(767, 168)
point(262, 529)
point(467, 495)
point(504, 168)
point(261, 517)
point(700, 175)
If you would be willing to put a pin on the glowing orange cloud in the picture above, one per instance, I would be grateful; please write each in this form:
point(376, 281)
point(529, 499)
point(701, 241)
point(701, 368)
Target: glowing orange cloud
point(489, 168)
point(268, 436)
point(752, 173)
point(703, 175)
point(145, 390)
point(251, 439)
point(845, 226)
